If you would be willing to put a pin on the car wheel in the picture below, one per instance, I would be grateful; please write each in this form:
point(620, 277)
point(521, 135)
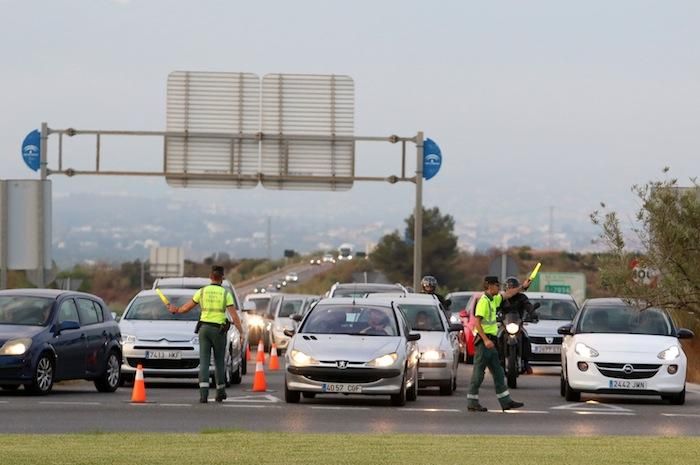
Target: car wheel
point(42, 380)
point(399, 400)
point(570, 394)
point(308, 395)
point(562, 390)
point(244, 364)
point(233, 376)
point(412, 394)
point(446, 388)
point(291, 397)
point(454, 383)
point(9, 387)
point(110, 378)
point(675, 399)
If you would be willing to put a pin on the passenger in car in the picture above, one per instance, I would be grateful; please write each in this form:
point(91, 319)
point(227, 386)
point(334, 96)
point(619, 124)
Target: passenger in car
point(422, 322)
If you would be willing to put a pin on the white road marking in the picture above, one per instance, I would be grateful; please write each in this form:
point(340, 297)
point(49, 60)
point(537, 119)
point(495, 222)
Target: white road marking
point(56, 402)
point(519, 411)
point(251, 406)
point(591, 406)
point(429, 410)
point(4, 402)
point(176, 405)
point(266, 398)
point(690, 415)
point(593, 412)
point(324, 407)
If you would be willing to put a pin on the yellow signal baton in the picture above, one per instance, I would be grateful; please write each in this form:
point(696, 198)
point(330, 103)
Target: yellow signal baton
point(162, 297)
point(533, 275)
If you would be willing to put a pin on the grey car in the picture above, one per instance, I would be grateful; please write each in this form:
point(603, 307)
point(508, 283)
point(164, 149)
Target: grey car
point(352, 346)
point(165, 344)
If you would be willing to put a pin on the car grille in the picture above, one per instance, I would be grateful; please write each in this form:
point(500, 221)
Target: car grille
point(542, 340)
point(639, 370)
point(545, 357)
point(163, 364)
point(346, 377)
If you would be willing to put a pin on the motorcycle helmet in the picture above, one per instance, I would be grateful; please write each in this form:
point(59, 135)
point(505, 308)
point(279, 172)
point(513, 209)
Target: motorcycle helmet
point(428, 284)
point(512, 282)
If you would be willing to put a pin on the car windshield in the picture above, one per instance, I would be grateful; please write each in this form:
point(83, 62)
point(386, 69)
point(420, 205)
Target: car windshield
point(25, 310)
point(362, 291)
point(290, 307)
point(555, 309)
point(423, 317)
point(626, 320)
point(151, 308)
point(459, 302)
point(354, 320)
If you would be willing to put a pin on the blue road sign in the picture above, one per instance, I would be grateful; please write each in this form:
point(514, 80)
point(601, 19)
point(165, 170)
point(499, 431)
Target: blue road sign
point(31, 150)
point(432, 159)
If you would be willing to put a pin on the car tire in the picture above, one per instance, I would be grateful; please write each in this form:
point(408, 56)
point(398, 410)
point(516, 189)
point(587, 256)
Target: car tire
point(675, 399)
point(412, 394)
point(110, 379)
point(9, 387)
point(291, 397)
point(446, 388)
point(233, 376)
point(562, 389)
point(399, 400)
point(244, 365)
point(454, 383)
point(42, 379)
point(308, 395)
point(571, 394)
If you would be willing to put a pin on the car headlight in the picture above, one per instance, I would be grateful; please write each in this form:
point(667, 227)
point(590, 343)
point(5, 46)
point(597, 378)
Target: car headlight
point(512, 328)
point(384, 360)
point(671, 353)
point(454, 319)
point(433, 355)
point(16, 346)
point(128, 339)
point(299, 358)
point(194, 340)
point(585, 351)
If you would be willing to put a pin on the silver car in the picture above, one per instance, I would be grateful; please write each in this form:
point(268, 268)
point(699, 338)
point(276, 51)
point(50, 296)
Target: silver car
point(352, 346)
point(288, 306)
point(555, 311)
point(165, 344)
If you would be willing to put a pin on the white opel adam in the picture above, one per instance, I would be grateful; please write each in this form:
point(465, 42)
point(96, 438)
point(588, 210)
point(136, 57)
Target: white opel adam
point(614, 347)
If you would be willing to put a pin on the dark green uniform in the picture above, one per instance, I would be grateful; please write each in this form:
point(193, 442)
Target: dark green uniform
point(488, 358)
point(212, 300)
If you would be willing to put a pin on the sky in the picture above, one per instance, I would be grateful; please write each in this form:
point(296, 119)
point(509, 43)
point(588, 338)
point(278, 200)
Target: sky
point(535, 104)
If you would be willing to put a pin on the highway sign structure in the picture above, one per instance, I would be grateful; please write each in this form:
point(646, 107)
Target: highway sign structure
point(31, 150)
point(561, 283)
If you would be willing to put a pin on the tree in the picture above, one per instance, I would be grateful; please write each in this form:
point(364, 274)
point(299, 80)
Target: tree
point(668, 234)
point(394, 255)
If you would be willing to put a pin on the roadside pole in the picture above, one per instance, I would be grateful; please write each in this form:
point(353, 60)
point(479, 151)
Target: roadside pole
point(3, 235)
point(41, 266)
point(418, 215)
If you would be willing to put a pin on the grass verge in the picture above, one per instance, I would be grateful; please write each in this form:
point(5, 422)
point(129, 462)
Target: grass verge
point(366, 449)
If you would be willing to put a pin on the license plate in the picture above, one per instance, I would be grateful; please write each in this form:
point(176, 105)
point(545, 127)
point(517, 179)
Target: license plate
point(164, 355)
point(626, 384)
point(343, 388)
point(552, 349)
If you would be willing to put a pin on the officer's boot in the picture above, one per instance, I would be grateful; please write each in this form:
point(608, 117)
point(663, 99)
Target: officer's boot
point(220, 395)
point(203, 395)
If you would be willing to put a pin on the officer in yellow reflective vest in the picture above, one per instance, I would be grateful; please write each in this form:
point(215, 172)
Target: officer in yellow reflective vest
point(212, 328)
point(486, 353)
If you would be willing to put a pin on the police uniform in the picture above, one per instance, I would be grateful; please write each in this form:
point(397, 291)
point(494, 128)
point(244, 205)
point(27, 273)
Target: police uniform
point(487, 358)
point(213, 325)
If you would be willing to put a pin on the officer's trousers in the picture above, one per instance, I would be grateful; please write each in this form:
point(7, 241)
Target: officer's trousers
point(211, 337)
point(487, 358)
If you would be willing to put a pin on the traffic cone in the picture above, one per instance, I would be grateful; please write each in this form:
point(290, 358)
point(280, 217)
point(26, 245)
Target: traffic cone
point(259, 383)
point(247, 353)
point(138, 395)
point(260, 356)
point(274, 360)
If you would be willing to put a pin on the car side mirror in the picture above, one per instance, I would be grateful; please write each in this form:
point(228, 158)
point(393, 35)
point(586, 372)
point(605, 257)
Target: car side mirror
point(68, 325)
point(685, 334)
point(289, 332)
point(413, 336)
point(565, 330)
point(249, 307)
point(296, 317)
point(455, 327)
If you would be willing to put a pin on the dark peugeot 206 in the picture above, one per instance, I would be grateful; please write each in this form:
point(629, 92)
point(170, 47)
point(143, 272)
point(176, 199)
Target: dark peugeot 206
point(51, 335)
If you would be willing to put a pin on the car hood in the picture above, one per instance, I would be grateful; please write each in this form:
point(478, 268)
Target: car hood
point(149, 330)
point(331, 347)
point(8, 332)
point(545, 328)
point(627, 343)
point(432, 340)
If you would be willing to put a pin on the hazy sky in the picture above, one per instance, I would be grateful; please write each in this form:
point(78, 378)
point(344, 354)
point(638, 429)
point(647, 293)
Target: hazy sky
point(543, 102)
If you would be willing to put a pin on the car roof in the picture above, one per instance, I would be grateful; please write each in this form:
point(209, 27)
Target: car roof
point(50, 293)
point(548, 295)
point(356, 301)
point(459, 293)
point(168, 290)
point(405, 298)
point(186, 281)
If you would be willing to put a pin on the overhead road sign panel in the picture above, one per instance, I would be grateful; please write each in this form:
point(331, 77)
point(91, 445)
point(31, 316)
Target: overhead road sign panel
point(308, 126)
point(214, 110)
point(167, 262)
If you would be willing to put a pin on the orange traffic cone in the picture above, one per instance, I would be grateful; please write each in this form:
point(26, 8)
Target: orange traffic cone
point(274, 360)
point(138, 395)
point(259, 383)
point(260, 355)
point(247, 353)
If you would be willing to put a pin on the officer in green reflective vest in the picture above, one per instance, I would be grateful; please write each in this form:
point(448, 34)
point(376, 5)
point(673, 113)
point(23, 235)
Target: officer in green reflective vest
point(212, 328)
point(486, 353)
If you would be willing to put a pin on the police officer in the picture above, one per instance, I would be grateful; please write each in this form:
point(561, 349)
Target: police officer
point(212, 328)
point(429, 285)
point(486, 353)
point(521, 305)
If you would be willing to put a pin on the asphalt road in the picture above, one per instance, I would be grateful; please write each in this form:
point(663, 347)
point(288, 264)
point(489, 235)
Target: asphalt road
point(304, 271)
point(172, 407)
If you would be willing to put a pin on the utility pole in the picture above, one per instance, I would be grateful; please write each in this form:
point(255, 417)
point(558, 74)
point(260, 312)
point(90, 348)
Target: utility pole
point(269, 238)
point(418, 215)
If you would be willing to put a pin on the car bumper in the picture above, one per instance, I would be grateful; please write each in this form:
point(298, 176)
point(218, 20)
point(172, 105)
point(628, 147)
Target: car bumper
point(434, 373)
point(592, 380)
point(372, 380)
point(545, 354)
point(187, 366)
point(15, 369)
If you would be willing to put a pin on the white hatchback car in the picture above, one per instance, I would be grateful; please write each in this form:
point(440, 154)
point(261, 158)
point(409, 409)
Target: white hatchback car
point(613, 347)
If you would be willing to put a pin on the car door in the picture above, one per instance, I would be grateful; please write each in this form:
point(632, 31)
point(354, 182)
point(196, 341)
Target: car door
point(70, 344)
point(91, 321)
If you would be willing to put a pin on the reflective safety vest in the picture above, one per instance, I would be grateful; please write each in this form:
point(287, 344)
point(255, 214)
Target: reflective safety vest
point(486, 309)
point(213, 300)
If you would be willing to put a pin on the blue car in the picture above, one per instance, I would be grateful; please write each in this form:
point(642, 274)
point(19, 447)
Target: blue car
point(52, 335)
